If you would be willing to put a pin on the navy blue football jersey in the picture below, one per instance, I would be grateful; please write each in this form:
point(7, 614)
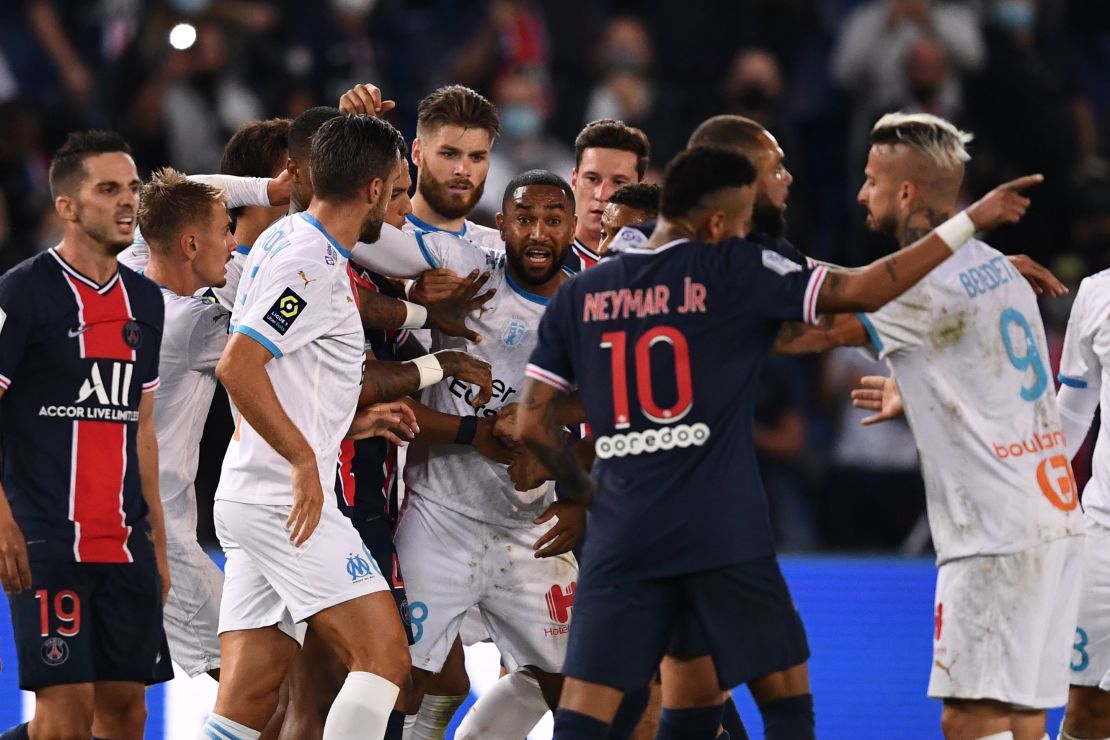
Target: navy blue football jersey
point(366, 479)
point(75, 358)
point(578, 258)
point(666, 346)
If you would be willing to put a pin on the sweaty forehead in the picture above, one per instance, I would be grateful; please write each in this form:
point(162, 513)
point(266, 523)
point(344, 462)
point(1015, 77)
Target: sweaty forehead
point(538, 196)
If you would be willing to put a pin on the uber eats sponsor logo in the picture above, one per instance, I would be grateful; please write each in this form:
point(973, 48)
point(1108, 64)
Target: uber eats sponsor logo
point(285, 311)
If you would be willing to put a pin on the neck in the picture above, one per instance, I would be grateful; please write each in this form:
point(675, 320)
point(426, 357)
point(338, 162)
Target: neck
point(251, 222)
point(86, 255)
point(920, 220)
point(342, 220)
point(546, 289)
point(175, 277)
point(591, 239)
point(424, 212)
point(667, 231)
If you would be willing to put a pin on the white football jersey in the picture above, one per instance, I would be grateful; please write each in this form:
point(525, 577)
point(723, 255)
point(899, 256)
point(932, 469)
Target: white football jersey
point(296, 300)
point(194, 336)
point(456, 476)
point(968, 351)
point(137, 256)
point(1086, 364)
point(482, 236)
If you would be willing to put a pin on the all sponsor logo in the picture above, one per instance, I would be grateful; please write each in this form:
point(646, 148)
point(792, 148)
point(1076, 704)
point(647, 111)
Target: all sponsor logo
point(54, 651)
point(285, 311)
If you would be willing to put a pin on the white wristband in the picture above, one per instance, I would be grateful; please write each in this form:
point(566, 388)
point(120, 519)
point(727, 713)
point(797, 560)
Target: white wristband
point(956, 231)
point(429, 368)
point(415, 316)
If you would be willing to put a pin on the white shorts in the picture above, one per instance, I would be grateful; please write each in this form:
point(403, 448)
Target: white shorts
point(191, 615)
point(1090, 657)
point(1003, 625)
point(453, 562)
point(268, 581)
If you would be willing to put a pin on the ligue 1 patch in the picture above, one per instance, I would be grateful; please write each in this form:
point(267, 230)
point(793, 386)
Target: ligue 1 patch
point(54, 651)
point(133, 334)
point(630, 237)
point(777, 263)
point(209, 296)
point(285, 311)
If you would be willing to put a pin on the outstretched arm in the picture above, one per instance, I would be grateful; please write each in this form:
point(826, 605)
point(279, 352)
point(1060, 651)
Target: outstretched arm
point(834, 330)
point(882, 281)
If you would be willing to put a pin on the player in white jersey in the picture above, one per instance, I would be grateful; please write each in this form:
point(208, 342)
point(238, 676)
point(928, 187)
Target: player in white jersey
point(1084, 385)
point(468, 534)
point(293, 368)
point(187, 228)
point(969, 355)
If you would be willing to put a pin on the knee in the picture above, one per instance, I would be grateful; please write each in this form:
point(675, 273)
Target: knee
point(390, 661)
point(61, 726)
point(123, 721)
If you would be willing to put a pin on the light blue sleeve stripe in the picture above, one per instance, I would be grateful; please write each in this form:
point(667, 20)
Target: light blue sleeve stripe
point(215, 731)
point(424, 249)
point(1071, 382)
point(258, 337)
point(874, 335)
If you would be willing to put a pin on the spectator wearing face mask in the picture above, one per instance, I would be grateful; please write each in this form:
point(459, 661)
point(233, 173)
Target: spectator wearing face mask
point(626, 90)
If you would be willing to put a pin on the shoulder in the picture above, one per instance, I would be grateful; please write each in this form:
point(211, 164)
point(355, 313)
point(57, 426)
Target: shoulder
point(30, 269)
point(484, 236)
point(139, 286)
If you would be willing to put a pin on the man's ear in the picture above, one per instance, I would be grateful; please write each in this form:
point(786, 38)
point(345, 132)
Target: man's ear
point(907, 193)
point(715, 226)
point(374, 191)
point(499, 219)
point(292, 169)
point(417, 153)
point(574, 177)
point(66, 207)
point(187, 245)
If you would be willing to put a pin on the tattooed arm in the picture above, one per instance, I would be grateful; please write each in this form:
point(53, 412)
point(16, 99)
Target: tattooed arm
point(884, 280)
point(834, 330)
point(389, 381)
point(539, 429)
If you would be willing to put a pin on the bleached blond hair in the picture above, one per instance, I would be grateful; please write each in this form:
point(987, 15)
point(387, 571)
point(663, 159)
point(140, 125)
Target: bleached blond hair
point(934, 138)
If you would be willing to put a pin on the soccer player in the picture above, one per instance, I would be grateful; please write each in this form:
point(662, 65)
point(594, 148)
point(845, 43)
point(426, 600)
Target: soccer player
point(82, 543)
point(293, 368)
point(467, 536)
point(608, 155)
point(629, 205)
point(673, 432)
point(970, 357)
point(188, 230)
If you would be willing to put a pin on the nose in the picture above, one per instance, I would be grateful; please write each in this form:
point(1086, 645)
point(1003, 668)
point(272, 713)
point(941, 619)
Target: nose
point(406, 205)
point(861, 196)
point(603, 191)
point(230, 243)
point(787, 177)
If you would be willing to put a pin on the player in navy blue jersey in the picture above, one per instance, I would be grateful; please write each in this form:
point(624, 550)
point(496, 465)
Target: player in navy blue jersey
point(680, 538)
point(82, 543)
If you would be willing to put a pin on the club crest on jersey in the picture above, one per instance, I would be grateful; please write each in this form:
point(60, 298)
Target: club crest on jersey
point(133, 334)
point(285, 311)
point(54, 651)
point(515, 333)
point(357, 568)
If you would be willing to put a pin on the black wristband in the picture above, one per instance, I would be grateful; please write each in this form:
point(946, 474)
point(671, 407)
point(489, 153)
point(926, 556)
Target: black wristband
point(468, 427)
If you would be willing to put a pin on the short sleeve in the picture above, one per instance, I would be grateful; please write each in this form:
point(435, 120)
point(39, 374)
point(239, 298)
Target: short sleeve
point(458, 255)
point(551, 360)
point(15, 323)
point(155, 317)
point(290, 304)
point(1079, 364)
point(901, 324)
point(768, 282)
point(208, 336)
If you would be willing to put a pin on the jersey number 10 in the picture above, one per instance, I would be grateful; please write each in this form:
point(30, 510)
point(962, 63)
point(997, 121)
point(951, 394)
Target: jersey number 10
point(617, 342)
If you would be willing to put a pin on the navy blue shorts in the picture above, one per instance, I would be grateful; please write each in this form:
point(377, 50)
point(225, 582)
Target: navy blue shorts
point(377, 535)
point(740, 614)
point(86, 622)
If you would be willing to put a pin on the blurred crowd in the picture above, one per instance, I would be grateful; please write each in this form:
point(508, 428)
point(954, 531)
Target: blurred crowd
point(1030, 78)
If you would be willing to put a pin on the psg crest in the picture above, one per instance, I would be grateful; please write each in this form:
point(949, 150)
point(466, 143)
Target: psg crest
point(132, 334)
point(55, 651)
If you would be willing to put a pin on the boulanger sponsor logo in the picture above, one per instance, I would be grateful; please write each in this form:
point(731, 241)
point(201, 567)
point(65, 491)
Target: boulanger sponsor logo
point(54, 651)
point(652, 440)
point(1054, 473)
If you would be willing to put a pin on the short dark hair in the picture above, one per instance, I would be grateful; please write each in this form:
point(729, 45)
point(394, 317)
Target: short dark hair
point(67, 169)
point(609, 134)
point(456, 105)
point(638, 195)
point(350, 151)
point(729, 132)
point(257, 149)
point(169, 202)
point(305, 126)
point(698, 172)
point(537, 177)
